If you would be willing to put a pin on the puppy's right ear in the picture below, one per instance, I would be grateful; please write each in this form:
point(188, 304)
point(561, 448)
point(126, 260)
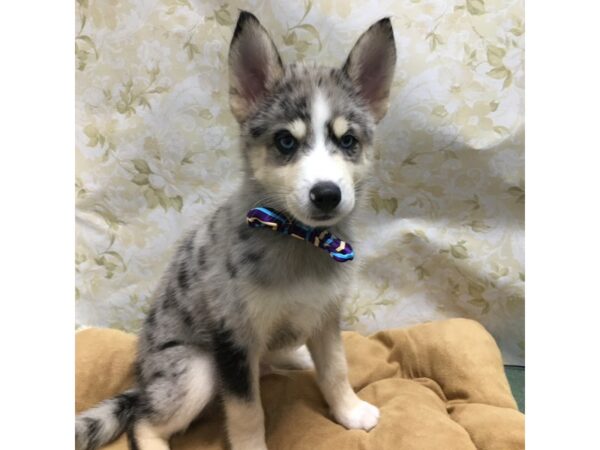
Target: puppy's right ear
point(254, 65)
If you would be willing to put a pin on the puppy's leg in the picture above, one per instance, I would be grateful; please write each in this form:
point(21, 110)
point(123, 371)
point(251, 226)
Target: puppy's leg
point(243, 408)
point(179, 381)
point(332, 375)
point(294, 358)
point(239, 371)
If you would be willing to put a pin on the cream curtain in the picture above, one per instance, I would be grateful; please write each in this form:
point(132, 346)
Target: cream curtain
point(156, 148)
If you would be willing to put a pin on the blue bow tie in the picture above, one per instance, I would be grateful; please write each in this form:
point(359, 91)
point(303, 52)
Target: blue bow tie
point(277, 221)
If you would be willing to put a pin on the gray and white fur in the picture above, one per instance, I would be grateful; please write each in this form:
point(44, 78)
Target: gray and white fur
point(235, 299)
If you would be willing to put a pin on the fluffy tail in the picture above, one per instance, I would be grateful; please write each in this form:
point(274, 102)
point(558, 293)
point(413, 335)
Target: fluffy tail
point(106, 421)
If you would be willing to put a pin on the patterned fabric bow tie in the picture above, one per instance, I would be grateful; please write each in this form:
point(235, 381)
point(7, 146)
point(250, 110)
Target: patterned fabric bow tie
point(277, 221)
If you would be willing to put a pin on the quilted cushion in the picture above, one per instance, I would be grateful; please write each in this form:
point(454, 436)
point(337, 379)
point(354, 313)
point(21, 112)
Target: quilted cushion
point(439, 385)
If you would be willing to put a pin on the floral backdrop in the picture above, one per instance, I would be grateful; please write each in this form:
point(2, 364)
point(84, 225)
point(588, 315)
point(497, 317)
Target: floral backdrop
point(156, 147)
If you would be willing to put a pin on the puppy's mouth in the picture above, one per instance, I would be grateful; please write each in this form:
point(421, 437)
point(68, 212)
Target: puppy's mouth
point(313, 217)
point(316, 219)
point(322, 217)
point(324, 220)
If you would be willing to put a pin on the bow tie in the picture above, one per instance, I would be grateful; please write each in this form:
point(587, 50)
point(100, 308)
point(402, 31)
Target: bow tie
point(277, 221)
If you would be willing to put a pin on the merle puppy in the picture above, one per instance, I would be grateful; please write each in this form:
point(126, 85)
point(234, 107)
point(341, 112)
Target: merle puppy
point(235, 298)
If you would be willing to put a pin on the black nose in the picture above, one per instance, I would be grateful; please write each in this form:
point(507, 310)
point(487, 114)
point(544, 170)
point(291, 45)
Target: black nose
point(325, 195)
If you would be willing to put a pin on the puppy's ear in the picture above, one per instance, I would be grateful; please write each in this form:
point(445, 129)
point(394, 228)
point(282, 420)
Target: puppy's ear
point(254, 65)
point(370, 66)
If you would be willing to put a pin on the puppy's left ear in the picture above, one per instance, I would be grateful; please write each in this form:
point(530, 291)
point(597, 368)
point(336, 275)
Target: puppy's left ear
point(371, 64)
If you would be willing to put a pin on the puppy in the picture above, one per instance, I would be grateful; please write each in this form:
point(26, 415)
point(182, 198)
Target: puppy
point(234, 297)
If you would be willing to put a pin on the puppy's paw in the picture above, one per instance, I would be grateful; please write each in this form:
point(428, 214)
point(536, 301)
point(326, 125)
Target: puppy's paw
point(300, 359)
point(265, 369)
point(362, 416)
point(295, 359)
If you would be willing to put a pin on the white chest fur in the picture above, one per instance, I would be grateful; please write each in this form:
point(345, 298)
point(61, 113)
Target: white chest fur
point(287, 315)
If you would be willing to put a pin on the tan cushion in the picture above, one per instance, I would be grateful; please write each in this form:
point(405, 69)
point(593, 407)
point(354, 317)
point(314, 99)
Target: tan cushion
point(439, 385)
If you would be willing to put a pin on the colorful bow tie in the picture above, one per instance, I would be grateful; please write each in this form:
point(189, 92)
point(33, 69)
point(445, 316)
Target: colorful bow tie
point(277, 221)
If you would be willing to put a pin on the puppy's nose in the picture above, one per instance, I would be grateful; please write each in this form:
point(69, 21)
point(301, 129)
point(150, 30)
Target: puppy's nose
point(325, 195)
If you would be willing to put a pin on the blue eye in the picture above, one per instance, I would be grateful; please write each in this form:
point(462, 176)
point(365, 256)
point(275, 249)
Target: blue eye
point(347, 141)
point(285, 142)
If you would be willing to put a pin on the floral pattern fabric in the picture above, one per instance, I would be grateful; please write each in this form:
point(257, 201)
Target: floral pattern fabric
point(156, 148)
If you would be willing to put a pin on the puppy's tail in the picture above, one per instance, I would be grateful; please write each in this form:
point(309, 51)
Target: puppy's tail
point(105, 422)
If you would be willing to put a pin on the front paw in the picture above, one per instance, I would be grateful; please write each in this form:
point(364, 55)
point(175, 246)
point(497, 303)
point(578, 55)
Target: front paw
point(362, 416)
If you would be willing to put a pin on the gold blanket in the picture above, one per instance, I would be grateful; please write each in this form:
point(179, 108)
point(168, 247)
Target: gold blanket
point(439, 386)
